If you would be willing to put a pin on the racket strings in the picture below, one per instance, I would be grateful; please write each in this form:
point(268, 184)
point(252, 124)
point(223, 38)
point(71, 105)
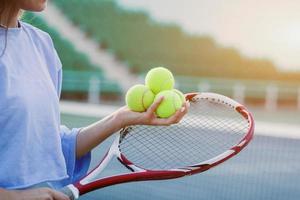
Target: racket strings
point(156, 159)
point(144, 146)
point(208, 130)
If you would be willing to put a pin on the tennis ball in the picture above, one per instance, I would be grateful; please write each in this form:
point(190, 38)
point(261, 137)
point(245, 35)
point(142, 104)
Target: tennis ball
point(139, 98)
point(159, 79)
point(180, 94)
point(170, 104)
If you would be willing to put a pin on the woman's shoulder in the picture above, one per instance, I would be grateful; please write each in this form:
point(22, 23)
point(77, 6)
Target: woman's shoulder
point(39, 37)
point(36, 32)
point(43, 42)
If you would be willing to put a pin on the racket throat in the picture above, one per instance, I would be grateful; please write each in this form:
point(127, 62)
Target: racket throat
point(127, 166)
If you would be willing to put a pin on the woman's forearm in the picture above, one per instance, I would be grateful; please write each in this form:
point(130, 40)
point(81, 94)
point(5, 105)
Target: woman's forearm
point(92, 135)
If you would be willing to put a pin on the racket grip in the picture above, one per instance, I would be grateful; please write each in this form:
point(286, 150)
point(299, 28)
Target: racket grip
point(68, 191)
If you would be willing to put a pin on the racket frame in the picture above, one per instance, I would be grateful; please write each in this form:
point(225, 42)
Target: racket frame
point(139, 174)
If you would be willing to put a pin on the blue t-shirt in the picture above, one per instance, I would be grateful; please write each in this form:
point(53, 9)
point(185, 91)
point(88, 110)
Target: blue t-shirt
point(34, 148)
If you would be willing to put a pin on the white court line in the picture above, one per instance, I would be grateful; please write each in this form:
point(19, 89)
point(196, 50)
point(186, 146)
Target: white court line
point(277, 129)
point(84, 109)
point(273, 129)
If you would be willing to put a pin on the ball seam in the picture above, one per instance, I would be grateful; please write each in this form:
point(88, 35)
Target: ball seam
point(143, 99)
point(164, 83)
point(174, 106)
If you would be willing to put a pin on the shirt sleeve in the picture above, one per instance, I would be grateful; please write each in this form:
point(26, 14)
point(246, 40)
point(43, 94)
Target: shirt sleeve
point(59, 82)
point(76, 168)
point(54, 63)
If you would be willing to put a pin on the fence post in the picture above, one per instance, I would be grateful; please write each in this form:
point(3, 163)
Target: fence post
point(271, 97)
point(239, 93)
point(204, 87)
point(94, 90)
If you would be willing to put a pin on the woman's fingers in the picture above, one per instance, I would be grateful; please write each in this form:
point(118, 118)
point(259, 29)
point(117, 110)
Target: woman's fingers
point(38, 194)
point(155, 105)
point(179, 114)
point(175, 118)
point(149, 117)
point(59, 196)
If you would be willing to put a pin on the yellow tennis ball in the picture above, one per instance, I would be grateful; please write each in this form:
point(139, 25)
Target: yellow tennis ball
point(159, 79)
point(170, 104)
point(180, 94)
point(139, 98)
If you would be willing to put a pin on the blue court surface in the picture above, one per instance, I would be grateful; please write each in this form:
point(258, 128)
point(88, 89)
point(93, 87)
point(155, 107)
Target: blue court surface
point(269, 168)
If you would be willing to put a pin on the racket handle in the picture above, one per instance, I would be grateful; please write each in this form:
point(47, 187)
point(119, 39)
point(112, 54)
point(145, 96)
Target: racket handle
point(70, 192)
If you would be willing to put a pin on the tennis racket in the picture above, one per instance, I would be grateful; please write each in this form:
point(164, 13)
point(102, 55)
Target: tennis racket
point(215, 129)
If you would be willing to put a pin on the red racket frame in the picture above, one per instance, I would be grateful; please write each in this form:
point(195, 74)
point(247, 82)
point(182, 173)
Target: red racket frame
point(145, 175)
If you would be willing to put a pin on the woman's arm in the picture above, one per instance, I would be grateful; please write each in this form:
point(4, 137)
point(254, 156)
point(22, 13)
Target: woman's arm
point(32, 194)
point(90, 136)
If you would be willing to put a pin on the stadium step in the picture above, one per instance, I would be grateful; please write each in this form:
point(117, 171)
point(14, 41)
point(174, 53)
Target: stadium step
point(113, 68)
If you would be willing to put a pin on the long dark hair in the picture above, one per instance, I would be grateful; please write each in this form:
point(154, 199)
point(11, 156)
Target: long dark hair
point(7, 10)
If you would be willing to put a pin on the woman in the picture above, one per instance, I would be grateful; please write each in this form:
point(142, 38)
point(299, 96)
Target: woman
point(35, 150)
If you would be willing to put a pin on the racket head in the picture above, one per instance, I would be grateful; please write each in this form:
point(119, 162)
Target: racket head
point(141, 148)
point(215, 129)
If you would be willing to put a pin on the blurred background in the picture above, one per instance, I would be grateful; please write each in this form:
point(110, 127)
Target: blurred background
point(247, 50)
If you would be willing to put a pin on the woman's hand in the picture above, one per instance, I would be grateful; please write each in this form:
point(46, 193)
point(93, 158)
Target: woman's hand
point(127, 117)
point(32, 194)
point(94, 134)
